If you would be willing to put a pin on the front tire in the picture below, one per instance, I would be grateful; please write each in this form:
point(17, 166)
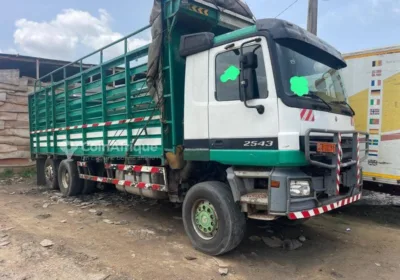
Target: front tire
point(68, 177)
point(212, 220)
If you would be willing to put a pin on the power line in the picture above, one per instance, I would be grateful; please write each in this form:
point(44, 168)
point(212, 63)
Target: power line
point(287, 8)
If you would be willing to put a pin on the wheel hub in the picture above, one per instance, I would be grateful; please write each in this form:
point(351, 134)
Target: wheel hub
point(205, 219)
point(65, 179)
point(49, 173)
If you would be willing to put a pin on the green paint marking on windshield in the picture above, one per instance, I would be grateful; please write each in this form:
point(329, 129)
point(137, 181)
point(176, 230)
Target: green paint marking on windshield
point(299, 85)
point(230, 74)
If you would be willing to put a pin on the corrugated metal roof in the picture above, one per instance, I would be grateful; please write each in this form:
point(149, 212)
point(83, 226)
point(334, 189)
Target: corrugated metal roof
point(28, 64)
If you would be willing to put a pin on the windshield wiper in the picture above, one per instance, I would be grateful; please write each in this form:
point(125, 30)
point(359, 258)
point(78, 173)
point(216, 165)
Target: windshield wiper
point(344, 103)
point(312, 95)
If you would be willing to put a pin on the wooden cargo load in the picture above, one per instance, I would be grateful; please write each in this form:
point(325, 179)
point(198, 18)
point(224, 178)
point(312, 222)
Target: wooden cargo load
point(14, 120)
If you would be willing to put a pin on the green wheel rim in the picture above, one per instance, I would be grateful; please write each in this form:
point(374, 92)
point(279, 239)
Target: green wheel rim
point(205, 219)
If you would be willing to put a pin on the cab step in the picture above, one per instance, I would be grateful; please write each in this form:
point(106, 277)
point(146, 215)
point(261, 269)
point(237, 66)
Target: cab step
point(256, 197)
point(262, 217)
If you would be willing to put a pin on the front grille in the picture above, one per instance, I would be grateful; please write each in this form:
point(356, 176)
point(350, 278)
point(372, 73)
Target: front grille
point(328, 158)
point(324, 167)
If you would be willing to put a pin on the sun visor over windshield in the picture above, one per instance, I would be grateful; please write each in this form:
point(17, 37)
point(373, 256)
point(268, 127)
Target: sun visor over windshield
point(302, 41)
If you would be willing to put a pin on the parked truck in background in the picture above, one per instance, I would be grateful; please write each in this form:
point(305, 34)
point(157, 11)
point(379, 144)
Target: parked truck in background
point(372, 80)
point(232, 117)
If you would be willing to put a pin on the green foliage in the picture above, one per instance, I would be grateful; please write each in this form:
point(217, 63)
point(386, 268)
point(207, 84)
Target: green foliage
point(28, 173)
point(6, 173)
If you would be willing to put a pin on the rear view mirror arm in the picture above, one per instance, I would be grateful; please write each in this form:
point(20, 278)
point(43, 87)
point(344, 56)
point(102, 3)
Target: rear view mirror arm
point(243, 84)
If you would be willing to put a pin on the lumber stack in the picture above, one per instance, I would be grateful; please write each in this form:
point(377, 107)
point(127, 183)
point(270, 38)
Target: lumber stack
point(14, 120)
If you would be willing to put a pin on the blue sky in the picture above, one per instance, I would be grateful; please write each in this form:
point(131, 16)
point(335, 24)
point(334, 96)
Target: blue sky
point(69, 29)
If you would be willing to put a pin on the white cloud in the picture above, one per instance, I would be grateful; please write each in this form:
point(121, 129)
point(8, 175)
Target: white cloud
point(9, 51)
point(70, 31)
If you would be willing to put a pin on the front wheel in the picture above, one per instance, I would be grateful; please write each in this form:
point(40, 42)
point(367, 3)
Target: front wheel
point(213, 221)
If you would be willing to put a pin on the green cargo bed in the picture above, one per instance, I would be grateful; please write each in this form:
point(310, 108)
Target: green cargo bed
point(106, 111)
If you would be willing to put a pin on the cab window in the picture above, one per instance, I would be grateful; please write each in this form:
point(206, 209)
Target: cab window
point(228, 74)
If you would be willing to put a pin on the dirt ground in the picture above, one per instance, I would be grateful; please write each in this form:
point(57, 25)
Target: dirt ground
point(118, 236)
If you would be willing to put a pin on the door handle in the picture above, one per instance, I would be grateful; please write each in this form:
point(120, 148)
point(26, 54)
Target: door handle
point(217, 144)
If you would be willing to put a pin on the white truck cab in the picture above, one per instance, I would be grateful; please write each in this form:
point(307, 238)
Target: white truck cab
point(268, 102)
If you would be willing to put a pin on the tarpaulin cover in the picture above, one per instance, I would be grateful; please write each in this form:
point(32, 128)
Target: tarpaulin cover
point(154, 72)
point(236, 6)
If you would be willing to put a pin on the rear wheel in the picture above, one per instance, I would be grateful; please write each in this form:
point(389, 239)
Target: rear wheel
point(102, 172)
point(50, 173)
point(88, 185)
point(68, 177)
point(213, 221)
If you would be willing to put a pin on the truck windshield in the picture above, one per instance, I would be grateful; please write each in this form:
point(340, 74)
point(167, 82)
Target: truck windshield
point(303, 77)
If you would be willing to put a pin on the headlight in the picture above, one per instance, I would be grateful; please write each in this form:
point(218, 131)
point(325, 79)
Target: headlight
point(300, 188)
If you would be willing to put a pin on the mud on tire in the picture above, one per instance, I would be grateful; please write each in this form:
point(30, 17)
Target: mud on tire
point(215, 202)
point(68, 178)
point(51, 173)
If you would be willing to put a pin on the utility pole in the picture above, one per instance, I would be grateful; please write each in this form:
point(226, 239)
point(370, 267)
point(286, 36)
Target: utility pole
point(312, 21)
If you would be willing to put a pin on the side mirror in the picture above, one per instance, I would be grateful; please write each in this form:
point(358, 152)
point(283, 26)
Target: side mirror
point(248, 77)
point(249, 60)
point(248, 85)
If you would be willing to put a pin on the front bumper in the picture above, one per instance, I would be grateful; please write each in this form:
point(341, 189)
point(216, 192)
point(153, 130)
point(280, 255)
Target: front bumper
point(346, 148)
point(325, 208)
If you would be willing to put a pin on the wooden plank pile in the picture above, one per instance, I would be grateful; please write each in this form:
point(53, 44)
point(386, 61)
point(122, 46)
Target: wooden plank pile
point(14, 121)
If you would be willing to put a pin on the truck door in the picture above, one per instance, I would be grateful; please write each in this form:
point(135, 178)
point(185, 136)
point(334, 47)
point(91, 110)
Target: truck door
point(234, 129)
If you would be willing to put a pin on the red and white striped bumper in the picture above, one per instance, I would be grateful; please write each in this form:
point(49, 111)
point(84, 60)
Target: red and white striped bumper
point(132, 184)
point(323, 209)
